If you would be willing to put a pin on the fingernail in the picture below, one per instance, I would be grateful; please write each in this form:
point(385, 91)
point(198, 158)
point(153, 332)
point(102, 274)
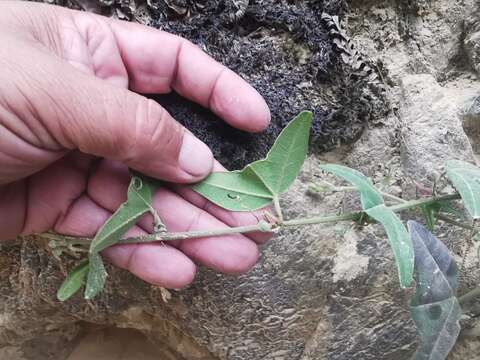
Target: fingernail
point(195, 157)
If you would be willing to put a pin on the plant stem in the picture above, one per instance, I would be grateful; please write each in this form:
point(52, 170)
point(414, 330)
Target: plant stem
point(356, 215)
point(393, 197)
point(455, 222)
point(426, 201)
point(262, 226)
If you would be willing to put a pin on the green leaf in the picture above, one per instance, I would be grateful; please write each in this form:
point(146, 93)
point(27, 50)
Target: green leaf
point(369, 195)
point(73, 282)
point(466, 179)
point(261, 181)
point(399, 239)
point(97, 275)
point(235, 191)
point(435, 308)
point(139, 197)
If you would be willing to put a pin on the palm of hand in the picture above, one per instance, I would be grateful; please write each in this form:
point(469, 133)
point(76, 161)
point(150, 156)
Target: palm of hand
point(70, 129)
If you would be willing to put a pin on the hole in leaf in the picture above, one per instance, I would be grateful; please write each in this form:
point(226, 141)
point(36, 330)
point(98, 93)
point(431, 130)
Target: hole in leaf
point(233, 197)
point(137, 183)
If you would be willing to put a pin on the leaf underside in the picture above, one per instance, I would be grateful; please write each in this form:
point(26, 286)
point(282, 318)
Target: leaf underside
point(260, 182)
point(466, 179)
point(435, 308)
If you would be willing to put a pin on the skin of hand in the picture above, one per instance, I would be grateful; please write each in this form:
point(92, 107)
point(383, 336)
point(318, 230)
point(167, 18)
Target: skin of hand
point(72, 122)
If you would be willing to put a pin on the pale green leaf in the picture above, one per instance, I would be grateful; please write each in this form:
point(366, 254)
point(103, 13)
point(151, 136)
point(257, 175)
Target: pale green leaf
point(235, 191)
point(138, 202)
point(261, 181)
point(73, 282)
point(286, 157)
point(466, 179)
point(139, 198)
point(399, 239)
point(97, 275)
point(434, 306)
point(369, 195)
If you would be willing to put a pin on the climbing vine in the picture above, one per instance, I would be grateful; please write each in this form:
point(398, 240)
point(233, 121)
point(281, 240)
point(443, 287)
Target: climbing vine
point(422, 260)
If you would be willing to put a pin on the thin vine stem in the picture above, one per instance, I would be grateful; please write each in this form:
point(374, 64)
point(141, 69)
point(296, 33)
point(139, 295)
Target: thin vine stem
point(262, 226)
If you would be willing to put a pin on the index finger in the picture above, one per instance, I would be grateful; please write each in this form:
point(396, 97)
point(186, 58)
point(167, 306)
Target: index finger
point(158, 62)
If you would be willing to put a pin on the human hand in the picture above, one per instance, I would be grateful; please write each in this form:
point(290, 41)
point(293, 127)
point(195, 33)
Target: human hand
point(71, 125)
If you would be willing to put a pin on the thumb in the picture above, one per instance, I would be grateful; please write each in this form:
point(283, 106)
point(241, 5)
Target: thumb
point(75, 110)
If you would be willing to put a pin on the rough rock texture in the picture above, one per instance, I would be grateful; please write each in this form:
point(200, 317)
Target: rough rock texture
point(323, 292)
point(433, 137)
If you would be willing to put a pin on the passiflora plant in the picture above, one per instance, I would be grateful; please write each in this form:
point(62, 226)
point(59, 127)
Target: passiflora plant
point(422, 259)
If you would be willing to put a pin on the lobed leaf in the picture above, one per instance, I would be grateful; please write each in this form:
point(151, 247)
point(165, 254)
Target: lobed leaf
point(369, 195)
point(286, 157)
point(399, 239)
point(260, 182)
point(435, 308)
point(73, 282)
point(466, 179)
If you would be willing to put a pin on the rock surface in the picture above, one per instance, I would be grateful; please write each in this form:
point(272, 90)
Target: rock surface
point(323, 292)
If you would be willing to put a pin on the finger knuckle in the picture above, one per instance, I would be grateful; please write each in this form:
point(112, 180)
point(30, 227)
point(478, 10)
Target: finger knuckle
point(155, 130)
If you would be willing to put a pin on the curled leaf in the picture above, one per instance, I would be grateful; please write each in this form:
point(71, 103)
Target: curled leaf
point(73, 282)
point(261, 181)
point(466, 179)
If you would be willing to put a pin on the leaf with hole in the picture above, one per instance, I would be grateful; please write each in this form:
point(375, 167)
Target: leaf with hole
point(399, 241)
point(73, 282)
point(434, 306)
point(260, 182)
point(139, 198)
point(369, 195)
point(466, 179)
